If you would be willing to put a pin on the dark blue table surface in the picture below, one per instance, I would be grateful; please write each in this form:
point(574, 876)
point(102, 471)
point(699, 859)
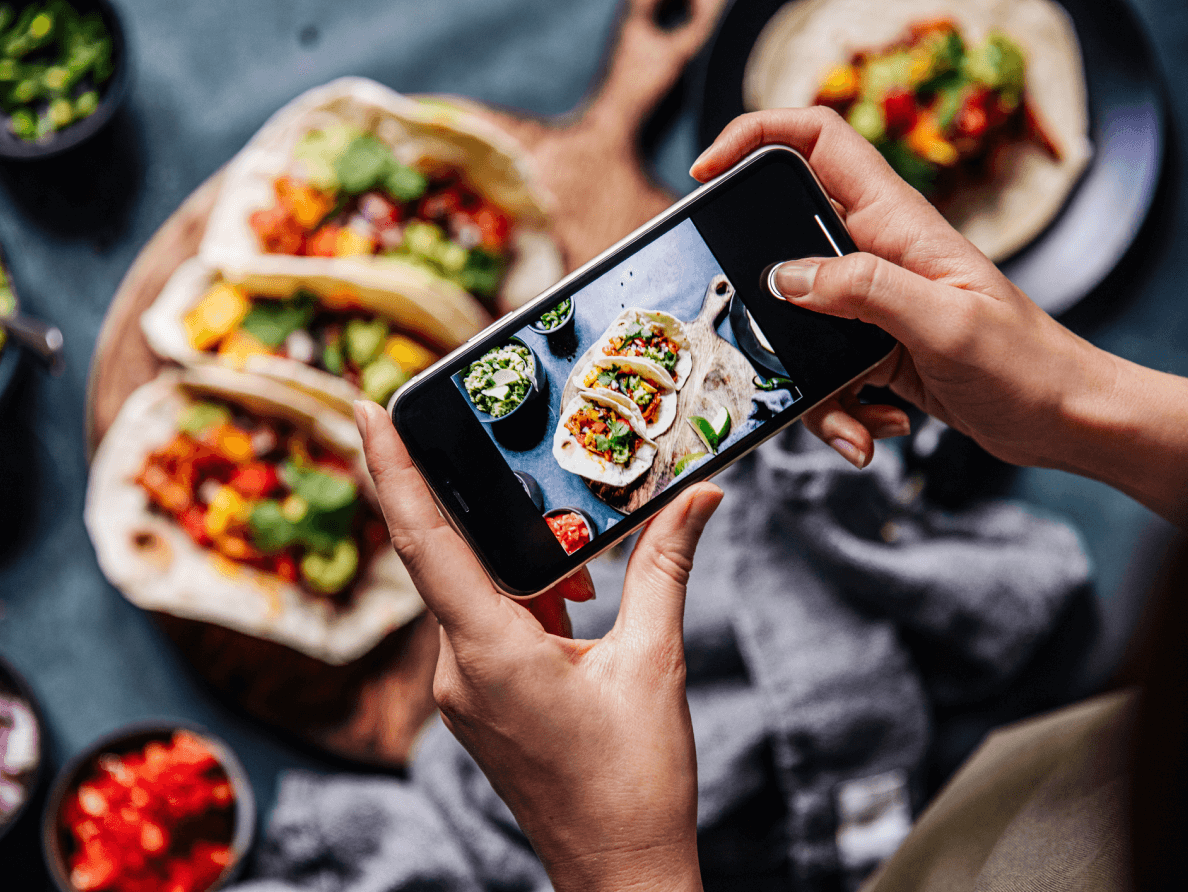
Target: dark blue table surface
point(206, 75)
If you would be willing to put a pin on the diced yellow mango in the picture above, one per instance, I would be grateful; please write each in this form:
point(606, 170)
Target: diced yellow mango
point(239, 345)
point(218, 312)
point(926, 141)
point(840, 84)
point(411, 356)
point(226, 506)
point(352, 244)
point(230, 442)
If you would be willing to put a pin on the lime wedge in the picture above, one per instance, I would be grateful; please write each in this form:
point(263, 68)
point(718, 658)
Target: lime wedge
point(688, 459)
point(712, 431)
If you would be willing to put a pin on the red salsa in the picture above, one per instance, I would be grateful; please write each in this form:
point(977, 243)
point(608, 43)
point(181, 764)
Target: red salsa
point(570, 529)
point(157, 819)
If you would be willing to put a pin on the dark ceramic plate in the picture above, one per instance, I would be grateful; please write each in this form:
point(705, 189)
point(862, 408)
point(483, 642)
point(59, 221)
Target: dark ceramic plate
point(111, 94)
point(1127, 126)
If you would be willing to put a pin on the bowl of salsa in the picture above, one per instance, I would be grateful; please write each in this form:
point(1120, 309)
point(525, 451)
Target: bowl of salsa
point(154, 807)
point(573, 527)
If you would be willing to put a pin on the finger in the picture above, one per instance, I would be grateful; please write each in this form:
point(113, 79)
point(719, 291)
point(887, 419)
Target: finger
point(855, 174)
point(654, 589)
point(447, 575)
point(850, 429)
point(549, 610)
point(918, 312)
point(578, 587)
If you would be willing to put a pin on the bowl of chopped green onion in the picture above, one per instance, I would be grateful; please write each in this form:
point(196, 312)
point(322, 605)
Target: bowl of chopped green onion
point(63, 73)
point(555, 319)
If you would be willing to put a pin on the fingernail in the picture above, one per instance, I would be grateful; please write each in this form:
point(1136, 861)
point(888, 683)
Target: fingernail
point(705, 504)
point(849, 452)
point(891, 429)
point(360, 408)
point(700, 158)
point(792, 279)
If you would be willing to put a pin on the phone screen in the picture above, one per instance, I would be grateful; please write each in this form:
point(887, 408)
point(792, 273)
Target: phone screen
point(663, 362)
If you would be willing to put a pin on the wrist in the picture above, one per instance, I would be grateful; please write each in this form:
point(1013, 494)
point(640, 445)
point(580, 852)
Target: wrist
point(667, 868)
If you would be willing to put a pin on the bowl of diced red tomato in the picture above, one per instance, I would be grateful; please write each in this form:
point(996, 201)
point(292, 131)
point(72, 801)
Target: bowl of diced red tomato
point(154, 808)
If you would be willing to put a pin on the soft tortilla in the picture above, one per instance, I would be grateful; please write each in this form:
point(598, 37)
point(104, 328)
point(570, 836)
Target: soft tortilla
point(159, 567)
point(806, 38)
point(434, 131)
point(572, 456)
point(413, 300)
point(669, 324)
point(650, 372)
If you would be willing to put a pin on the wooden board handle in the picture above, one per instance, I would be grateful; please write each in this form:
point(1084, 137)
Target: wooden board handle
point(646, 62)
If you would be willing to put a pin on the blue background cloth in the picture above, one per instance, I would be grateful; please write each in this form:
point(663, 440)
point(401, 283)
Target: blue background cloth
point(206, 76)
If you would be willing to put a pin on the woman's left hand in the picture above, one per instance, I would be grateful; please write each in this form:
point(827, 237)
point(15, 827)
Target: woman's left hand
point(589, 742)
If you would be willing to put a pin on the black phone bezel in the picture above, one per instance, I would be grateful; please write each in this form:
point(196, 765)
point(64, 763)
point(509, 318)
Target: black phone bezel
point(743, 232)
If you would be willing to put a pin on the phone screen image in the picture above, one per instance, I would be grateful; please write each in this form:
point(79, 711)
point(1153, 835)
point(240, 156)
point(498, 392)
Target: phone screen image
point(636, 379)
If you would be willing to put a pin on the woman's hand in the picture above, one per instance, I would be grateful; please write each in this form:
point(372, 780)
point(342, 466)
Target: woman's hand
point(589, 742)
point(976, 352)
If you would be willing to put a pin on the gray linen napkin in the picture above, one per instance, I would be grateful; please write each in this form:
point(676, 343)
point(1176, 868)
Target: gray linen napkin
point(811, 713)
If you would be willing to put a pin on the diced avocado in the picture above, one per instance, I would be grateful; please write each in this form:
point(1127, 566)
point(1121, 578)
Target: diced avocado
point(998, 63)
point(271, 531)
point(364, 165)
point(451, 256)
point(404, 183)
point(24, 123)
point(364, 340)
point(423, 238)
point(381, 378)
point(332, 359)
point(86, 104)
point(330, 574)
point(323, 491)
point(197, 417)
point(61, 112)
point(883, 73)
point(867, 119)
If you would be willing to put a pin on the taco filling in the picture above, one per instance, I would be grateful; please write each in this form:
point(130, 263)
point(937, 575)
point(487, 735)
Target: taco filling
point(629, 383)
point(605, 433)
point(264, 494)
point(938, 109)
point(647, 341)
point(333, 335)
point(354, 198)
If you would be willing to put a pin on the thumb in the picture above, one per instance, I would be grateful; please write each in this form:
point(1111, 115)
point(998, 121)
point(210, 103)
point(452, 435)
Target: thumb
point(916, 311)
point(654, 590)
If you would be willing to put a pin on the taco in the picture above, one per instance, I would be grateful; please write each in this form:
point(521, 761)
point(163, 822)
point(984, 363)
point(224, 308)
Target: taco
point(601, 436)
point(981, 106)
point(337, 339)
point(230, 499)
point(642, 381)
point(353, 173)
point(653, 335)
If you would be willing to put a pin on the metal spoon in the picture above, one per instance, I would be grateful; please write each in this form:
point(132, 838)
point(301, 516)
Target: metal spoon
point(43, 339)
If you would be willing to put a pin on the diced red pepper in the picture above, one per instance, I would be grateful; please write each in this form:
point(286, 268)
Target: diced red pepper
point(439, 205)
point(286, 567)
point(255, 480)
point(899, 111)
point(193, 521)
point(323, 243)
point(493, 228)
point(278, 232)
point(973, 120)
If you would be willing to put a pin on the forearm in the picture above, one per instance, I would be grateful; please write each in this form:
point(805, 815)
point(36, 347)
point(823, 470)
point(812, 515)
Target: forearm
point(1128, 427)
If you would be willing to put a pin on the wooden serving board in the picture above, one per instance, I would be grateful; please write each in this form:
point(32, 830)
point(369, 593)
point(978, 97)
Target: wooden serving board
point(373, 709)
point(720, 376)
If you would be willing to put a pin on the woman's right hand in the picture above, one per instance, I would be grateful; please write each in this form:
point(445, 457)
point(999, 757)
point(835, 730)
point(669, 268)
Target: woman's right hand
point(976, 352)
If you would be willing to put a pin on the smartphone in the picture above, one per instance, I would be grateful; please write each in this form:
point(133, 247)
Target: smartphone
point(562, 428)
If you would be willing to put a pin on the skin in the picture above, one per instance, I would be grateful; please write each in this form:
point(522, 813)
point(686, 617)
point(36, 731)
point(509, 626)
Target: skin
point(590, 742)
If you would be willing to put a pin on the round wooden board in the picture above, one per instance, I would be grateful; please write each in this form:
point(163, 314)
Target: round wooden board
point(373, 709)
point(720, 376)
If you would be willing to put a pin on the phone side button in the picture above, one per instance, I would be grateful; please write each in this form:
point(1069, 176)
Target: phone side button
point(461, 501)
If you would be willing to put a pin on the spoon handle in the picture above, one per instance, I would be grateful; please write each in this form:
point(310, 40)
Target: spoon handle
point(42, 338)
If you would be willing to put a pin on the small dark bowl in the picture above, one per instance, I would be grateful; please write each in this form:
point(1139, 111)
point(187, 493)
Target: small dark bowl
point(540, 385)
point(12, 684)
point(591, 527)
point(111, 94)
point(56, 841)
point(560, 328)
point(532, 488)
